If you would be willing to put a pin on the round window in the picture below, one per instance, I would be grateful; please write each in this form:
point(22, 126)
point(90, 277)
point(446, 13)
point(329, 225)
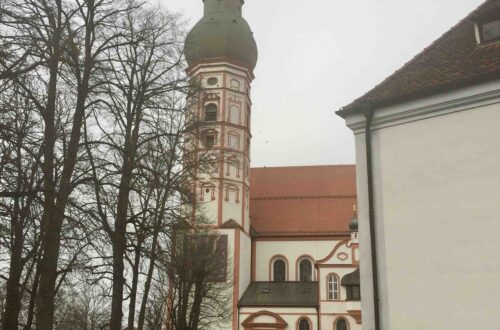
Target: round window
point(212, 81)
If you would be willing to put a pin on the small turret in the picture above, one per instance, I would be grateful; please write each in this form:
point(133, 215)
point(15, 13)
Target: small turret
point(222, 33)
point(353, 225)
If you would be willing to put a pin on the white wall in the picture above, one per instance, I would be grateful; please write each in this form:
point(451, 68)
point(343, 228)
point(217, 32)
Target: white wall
point(245, 262)
point(292, 250)
point(290, 315)
point(437, 200)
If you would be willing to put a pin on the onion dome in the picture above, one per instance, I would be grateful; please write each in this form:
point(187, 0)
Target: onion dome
point(222, 33)
point(353, 225)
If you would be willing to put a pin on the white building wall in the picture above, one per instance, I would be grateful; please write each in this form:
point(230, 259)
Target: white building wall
point(437, 205)
point(328, 321)
point(230, 274)
point(290, 315)
point(245, 264)
point(292, 251)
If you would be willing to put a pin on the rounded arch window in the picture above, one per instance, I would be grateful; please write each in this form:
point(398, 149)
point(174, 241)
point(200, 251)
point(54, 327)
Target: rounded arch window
point(341, 324)
point(333, 289)
point(305, 270)
point(304, 324)
point(211, 112)
point(279, 270)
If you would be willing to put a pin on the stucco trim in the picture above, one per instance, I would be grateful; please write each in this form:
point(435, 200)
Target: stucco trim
point(250, 324)
point(438, 105)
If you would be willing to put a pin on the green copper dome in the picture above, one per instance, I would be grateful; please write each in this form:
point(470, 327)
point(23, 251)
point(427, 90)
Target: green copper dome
point(353, 225)
point(222, 32)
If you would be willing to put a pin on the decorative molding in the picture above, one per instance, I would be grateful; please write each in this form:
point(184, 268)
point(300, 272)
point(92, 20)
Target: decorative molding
point(342, 256)
point(331, 254)
point(356, 315)
point(249, 323)
point(411, 111)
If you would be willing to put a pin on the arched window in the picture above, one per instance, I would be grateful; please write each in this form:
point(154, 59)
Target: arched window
point(305, 270)
point(333, 287)
point(211, 112)
point(279, 270)
point(304, 324)
point(341, 324)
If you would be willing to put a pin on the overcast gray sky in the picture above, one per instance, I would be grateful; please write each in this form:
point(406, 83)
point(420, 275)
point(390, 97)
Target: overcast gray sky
point(316, 56)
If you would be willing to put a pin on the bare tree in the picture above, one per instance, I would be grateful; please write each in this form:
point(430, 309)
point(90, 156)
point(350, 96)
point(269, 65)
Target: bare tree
point(20, 179)
point(135, 144)
point(198, 283)
point(95, 157)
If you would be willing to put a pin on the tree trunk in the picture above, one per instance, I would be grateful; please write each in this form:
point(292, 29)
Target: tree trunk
point(13, 298)
point(135, 282)
point(48, 266)
point(119, 243)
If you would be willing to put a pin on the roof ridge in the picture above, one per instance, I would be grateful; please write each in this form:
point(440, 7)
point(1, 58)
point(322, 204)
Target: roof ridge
point(303, 166)
point(302, 197)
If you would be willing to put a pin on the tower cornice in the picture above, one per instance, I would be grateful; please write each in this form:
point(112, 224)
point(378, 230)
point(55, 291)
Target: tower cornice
point(220, 61)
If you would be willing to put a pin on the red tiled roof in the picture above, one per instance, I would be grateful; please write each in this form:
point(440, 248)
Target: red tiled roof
point(453, 61)
point(302, 200)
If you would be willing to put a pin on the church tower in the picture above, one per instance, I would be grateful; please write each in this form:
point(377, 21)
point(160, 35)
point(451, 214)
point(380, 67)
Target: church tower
point(222, 53)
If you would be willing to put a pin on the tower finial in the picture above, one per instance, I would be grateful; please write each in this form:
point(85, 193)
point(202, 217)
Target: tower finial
point(353, 225)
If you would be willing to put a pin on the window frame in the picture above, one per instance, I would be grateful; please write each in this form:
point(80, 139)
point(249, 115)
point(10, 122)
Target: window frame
point(271, 267)
point(350, 296)
point(298, 268)
point(304, 318)
point(335, 287)
point(206, 114)
point(336, 323)
point(480, 26)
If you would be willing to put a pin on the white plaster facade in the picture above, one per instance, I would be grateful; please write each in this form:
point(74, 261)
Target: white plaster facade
point(222, 186)
point(222, 189)
point(223, 192)
point(333, 255)
point(436, 167)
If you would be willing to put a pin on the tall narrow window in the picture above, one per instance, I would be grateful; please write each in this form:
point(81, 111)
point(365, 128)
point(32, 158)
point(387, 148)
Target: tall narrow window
point(333, 287)
point(353, 292)
point(279, 270)
point(209, 140)
point(211, 112)
point(305, 268)
point(304, 324)
point(341, 324)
